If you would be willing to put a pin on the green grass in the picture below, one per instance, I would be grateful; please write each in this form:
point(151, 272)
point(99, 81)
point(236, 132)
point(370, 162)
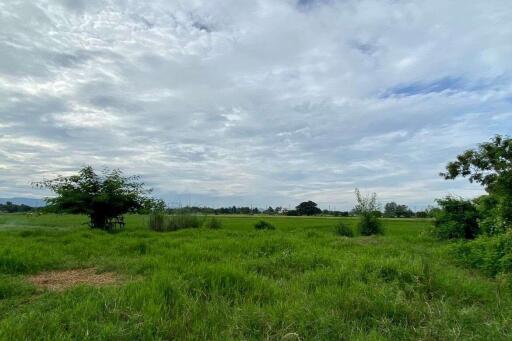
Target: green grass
point(238, 283)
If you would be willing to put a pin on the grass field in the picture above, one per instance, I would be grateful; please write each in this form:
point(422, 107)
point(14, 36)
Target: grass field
point(300, 281)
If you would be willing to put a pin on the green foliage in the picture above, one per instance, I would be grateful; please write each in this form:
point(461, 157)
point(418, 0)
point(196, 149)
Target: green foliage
point(308, 208)
point(393, 210)
point(213, 223)
point(490, 254)
point(342, 229)
point(102, 197)
point(369, 224)
point(367, 208)
point(457, 218)
point(264, 225)
point(491, 166)
point(9, 207)
point(161, 222)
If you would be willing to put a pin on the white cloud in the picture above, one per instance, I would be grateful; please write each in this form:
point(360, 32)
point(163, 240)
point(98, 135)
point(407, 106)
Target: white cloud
point(253, 102)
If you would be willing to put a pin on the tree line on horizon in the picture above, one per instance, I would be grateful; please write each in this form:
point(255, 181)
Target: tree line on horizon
point(308, 208)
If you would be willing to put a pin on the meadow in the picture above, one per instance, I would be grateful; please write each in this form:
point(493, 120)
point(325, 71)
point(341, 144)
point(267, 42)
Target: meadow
point(300, 281)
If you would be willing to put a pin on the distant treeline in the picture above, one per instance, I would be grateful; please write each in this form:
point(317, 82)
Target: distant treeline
point(9, 207)
point(391, 210)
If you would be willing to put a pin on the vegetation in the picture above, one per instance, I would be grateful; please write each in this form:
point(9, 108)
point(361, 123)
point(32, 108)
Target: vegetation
point(239, 284)
point(491, 166)
point(308, 208)
point(490, 254)
point(489, 216)
point(393, 210)
point(213, 223)
point(264, 225)
point(161, 222)
point(457, 218)
point(367, 208)
point(9, 207)
point(342, 229)
point(102, 197)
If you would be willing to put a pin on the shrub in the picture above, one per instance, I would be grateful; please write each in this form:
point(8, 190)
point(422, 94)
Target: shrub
point(367, 209)
point(369, 224)
point(264, 225)
point(161, 222)
point(490, 254)
point(457, 218)
point(343, 229)
point(213, 223)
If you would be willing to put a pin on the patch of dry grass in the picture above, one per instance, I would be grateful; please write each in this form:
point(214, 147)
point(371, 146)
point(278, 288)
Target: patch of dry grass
point(62, 280)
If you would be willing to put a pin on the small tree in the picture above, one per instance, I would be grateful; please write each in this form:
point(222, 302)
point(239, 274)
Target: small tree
point(308, 208)
point(366, 209)
point(102, 197)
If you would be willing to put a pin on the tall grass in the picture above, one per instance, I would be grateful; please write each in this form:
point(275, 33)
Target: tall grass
point(162, 222)
point(342, 229)
point(236, 283)
point(213, 223)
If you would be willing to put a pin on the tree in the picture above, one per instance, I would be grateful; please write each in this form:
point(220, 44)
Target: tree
point(491, 166)
point(393, 210)
point(101, 196)
point(390, 209)
point(269, 211)
point(457, 218)
point(366, 209)
point(308, 208)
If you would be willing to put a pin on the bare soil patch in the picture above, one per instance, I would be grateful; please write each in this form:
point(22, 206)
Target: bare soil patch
point(62, 280)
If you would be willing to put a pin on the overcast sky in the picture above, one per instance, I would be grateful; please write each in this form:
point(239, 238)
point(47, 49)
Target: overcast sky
point(253, 102)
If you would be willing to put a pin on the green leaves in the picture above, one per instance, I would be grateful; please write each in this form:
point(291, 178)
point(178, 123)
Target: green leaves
point(101, 196)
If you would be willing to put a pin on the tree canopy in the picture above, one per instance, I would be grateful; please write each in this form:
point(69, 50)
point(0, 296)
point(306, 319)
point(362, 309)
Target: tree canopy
point(488, 165)
point(308, 208)
point(394, 210)
point(101, 196)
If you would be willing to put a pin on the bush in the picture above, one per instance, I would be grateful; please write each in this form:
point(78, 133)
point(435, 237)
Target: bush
point(213, 223)
point(367, 209)
point(343, 229)
point(161, 222)
point(369, 224)
point(264, 225)
point(457, 218)
point(490, 254)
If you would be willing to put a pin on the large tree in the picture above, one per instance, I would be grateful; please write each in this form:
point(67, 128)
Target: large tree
point(491, 166)
point(393, 210)
point(308, 208)
point(101, 196)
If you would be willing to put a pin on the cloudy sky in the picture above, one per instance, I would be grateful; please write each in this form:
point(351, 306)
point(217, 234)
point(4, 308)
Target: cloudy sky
point(253, 102)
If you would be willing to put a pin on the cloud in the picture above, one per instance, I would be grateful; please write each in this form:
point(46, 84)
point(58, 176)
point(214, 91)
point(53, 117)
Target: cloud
point(254, 103)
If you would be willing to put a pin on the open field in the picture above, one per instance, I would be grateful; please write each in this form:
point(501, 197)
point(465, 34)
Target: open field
point(298, 281)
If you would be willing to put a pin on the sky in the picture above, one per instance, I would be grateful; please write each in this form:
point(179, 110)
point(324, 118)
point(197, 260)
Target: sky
point(257, 103)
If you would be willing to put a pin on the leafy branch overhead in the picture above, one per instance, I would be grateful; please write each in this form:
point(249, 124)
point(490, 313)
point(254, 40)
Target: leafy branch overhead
point(484, 165)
